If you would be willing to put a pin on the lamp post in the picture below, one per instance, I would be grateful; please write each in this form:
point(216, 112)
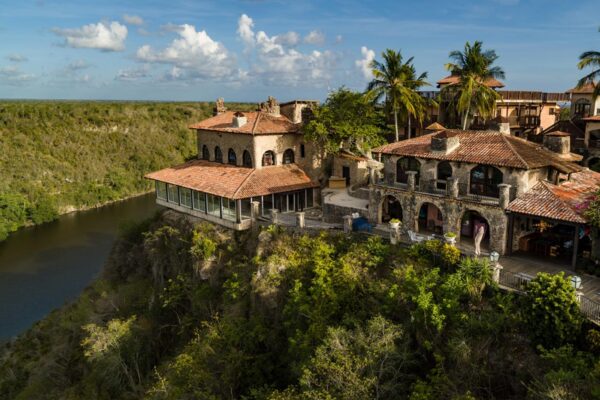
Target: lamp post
point(576, 284)
point(494, 257)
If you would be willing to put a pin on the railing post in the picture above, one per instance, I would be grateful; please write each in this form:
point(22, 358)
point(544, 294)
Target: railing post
point(496, 271)
point(275, 216)
point(254, 213)
point(347, 223)
point(300, 222)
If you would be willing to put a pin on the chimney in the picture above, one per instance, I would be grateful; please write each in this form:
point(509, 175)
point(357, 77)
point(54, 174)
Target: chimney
point(271, 107)
point(219, 107)
point(239, 120)
point(445, 142)
point(558, 142)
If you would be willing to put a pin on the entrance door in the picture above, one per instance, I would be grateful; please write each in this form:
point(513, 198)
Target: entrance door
point(346, 175)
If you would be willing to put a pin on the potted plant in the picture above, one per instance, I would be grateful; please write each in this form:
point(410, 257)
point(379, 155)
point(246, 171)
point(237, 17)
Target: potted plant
point(450, 238)
point(394, 223)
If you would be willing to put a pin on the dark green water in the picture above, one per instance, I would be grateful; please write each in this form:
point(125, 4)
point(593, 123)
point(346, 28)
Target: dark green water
point(45, 266)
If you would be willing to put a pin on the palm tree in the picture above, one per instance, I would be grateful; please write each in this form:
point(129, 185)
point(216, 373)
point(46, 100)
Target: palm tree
point(590, 59)
point(470, 94)
point(399, 84)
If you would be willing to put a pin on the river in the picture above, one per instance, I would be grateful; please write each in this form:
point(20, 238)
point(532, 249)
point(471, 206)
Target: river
point(42, 267)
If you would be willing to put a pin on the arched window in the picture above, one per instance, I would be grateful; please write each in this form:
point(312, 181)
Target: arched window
point(247, 159)
point(444, 171)
point(268, 158)
point(404, 165)
point(218, 154)
point(288, 156)
point(231, 157)
point(485, 180)
point(205, 153)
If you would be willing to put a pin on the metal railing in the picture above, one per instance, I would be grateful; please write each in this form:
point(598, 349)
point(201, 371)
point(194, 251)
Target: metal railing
point(488, 194)
point(590, 308)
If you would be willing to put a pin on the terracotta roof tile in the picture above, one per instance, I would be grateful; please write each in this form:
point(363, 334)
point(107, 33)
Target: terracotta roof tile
point(454, 79)
point(436, 126)
point(595, 118)
point(482, 147)
point(258, 123)
point(587, 88)
point(234, 182)
point(559, 202)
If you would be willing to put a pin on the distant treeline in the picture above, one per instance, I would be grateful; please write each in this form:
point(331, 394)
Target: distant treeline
point(59, 156)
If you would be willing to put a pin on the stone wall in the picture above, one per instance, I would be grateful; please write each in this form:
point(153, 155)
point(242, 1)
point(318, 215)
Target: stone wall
point(359, 174)
point(335, 214)
point(452, 211)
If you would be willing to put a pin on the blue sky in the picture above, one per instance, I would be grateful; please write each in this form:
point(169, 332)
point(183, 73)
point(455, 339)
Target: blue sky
point(247, 50)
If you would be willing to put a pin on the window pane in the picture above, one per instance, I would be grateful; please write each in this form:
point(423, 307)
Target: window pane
point(229, 209)
point(267, 204)
point(200, 201)
point(246, 208)
point(173, 194)
point(161, 190)
point(214, 205)
point(185, 197)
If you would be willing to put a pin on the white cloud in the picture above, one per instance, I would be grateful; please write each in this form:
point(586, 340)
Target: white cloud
point(277, 62)
point(195, 55)
point(102, 36)
point(339, 39)
point(13, 75)
point(290, 39)
point(364, 64)
point(314, 37)
point(133, 74)
point(78, 65)
point(133, 20)
point(17, 58)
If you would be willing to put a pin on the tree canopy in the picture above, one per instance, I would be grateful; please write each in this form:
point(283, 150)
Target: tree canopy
point(347, 119)
point(590, 58)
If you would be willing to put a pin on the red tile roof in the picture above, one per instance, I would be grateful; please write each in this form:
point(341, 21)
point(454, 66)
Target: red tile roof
point(587, 88)
point(436, 126)
point(258, 123)
point(454, 79)
point(595, 118)
point(482, 147)
point(559, 202)
point(234, 182)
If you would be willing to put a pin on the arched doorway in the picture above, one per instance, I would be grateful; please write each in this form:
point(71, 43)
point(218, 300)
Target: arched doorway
point(390, 209)
point(430, 219)
point(444, 171)
point(231, 157)
point(405, 164)
point(247, 159)
point(288, 156)
point(218, 154)
point(470, 224)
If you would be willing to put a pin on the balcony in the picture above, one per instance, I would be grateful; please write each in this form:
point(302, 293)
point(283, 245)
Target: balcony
point(438, 187)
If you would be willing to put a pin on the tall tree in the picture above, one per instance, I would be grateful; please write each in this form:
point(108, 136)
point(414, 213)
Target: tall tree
point(399, 84)
point(590, 59)
point(473, 67)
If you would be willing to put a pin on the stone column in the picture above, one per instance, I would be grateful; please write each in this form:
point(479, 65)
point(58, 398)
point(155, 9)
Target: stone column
point(300, 223)
point(412, 180)
point(496, 272)
point(504, 195)
point(452, 187)
point(347, 223)
point(394, 235)
point(254, 214)
point(274, 216)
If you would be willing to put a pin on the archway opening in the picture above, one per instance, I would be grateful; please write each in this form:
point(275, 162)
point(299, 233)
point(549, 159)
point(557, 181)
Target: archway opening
point(405, 164)
point(390, 209)
point(474, 229)
point(205, 153)
point(268, 158)
point(485, 180)
point(444, 171)
point(218, 154)
point(231, 157)
point(430, 219)
point(594, 164)
point(288, 156)
point(247, 159)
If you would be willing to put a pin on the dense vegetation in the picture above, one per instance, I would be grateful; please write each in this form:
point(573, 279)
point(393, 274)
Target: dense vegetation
point(58, 156)
point(194, 312)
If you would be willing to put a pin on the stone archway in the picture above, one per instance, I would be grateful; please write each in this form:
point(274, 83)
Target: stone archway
point(389, 208)
point(430, 219)
point(470, 222)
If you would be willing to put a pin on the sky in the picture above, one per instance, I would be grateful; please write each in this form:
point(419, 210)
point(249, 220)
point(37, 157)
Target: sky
point(193, 50)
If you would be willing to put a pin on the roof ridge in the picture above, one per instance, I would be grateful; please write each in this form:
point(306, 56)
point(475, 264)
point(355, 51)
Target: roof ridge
point(258, 115)
point(514, 151)
point(242, 183)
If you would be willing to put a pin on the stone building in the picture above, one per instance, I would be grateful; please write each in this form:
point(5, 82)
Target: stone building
point(245, 157)
point(455, 181)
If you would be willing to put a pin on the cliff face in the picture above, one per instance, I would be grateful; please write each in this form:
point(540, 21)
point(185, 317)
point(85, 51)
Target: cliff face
point(186, 311)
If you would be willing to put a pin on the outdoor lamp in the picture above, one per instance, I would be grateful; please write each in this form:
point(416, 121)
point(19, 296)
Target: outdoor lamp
point(576, 282)
point(494, 257)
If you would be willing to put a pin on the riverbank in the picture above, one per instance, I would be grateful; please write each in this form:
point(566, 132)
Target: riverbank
point(73, 155)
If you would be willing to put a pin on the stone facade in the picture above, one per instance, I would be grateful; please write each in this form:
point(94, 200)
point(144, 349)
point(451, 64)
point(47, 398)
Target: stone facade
point(359, 173)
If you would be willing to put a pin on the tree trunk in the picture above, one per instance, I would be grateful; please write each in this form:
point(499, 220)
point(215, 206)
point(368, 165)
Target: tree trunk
point(466, 118)
point(409, 128)
point(396, 125)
